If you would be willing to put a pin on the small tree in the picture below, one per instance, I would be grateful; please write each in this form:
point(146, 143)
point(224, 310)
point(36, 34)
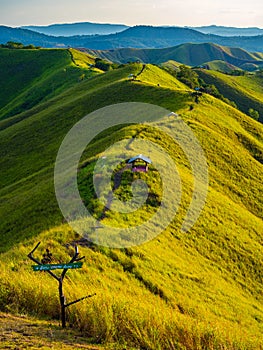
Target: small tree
point(102, 64)
point(60, 278)
point(253, 114)
point(14, 45)
point(259, 73)
point(188, 76)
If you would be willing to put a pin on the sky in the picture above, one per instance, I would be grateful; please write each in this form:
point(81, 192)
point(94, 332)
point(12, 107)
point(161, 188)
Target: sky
point(236, 13)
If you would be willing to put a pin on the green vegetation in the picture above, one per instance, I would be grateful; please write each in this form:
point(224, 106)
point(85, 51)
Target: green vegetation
point(189, 77)
point(41, 75)
point(254, 114)
point(188, 54)
point(102, 64)
point(14, 45)
point(246, 91)
point(223, 67)
point(82, 59)
point(187, 291)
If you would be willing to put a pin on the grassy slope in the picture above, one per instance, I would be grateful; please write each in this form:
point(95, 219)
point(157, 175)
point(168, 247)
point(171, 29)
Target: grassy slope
point(196, 290)
point(220, 66)
point(217, 65)
point(81, 59)
point(245, 91)
point(152, 75)
point(21, 168)
point(190, 54)
point(171, 64)
point(40, 75)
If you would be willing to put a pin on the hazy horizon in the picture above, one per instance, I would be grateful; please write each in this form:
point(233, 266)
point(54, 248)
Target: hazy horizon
point(124, 24)
point(241, 14)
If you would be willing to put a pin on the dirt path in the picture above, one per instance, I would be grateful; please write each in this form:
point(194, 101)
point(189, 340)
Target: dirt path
point(20, 333)
point(116, 185)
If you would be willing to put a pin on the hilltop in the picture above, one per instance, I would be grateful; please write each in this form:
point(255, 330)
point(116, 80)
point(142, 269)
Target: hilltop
point(194, 290)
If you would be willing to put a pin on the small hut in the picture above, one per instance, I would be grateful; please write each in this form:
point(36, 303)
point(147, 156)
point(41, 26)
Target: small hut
point(172, 114)
point(139, 163)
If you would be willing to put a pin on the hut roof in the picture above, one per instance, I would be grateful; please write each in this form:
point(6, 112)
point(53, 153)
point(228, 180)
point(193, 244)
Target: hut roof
point(140, 157)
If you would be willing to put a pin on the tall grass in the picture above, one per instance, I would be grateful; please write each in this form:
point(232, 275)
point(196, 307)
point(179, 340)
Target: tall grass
point(122, 312)
point(195, 290)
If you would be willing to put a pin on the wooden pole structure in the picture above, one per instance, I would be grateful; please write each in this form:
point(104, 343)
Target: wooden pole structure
point(60, 279)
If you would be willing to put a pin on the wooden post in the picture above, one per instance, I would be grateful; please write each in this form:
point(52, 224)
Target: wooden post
point(60, 279)
point(62, 303)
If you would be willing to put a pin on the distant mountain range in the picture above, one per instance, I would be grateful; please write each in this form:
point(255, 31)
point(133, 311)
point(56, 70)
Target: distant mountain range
point(83, 28)
point(134, 37)
point(229, 31)
point(88, 28)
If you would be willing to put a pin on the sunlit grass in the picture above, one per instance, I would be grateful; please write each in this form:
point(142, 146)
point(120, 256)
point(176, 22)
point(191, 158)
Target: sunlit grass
point(246, 91)
point(196, 290)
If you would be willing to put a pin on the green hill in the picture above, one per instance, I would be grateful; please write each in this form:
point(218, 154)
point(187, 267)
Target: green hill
point(246, 91)
point(189, 54)
point(171, 64)
point(41, 74)
point(221, 66)
point(194, 290)
point(115, 86)
point(217, 65)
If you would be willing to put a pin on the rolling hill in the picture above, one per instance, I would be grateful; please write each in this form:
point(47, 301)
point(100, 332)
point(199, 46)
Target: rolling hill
point(221, 66)
point(134, 37)
point(189, 54)
point(41, 75)
point(182, 290)
point(246, 91)
point(215, 65)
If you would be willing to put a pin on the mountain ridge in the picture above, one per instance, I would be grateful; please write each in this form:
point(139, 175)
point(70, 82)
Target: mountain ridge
point(79, 28)
point(136, 37)
point(89, 28)
point(229, 31)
